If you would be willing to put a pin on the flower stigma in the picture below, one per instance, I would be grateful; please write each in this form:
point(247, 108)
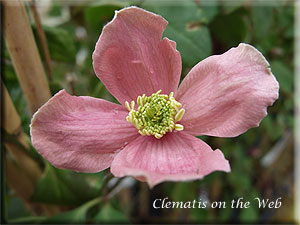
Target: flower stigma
point(156, 114)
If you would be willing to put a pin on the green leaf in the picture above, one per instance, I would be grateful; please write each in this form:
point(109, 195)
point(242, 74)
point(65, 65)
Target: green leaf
point(249, 215)
point(77, 215)
point(230, 6)
point(226, 213)
point(187, 27)
point(55, 87)
point(179, 193)
point(109, 214)
point(241, 171)
point(55, 10)
point(230, 29)
point(273, 130)
point(60, 43)
point(284, 76)
point(63, 187)
point(286, 20)
point(28, 220)
point(262, 17)
point(198, 215)
point(16, 208)
point(98, 14)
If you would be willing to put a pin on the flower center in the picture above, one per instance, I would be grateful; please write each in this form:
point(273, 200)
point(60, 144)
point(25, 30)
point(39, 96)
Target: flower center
point(156, 114)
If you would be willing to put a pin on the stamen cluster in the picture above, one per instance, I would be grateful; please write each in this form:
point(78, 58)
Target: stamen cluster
point(156, 114)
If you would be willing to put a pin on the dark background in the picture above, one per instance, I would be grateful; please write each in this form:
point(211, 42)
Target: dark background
point(261, 159)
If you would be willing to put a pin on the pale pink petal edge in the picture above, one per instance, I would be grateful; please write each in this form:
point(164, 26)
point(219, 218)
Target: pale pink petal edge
point(153, 178)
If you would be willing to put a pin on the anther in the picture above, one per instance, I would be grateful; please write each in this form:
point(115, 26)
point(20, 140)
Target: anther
point(132, 104)
point(179, 127)
point(127, 106)
point(179, 115)
point(156, 114)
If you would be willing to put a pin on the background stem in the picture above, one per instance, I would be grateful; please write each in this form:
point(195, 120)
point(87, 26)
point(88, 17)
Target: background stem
point(42, 39)
point(22, 171)
point(24, 54)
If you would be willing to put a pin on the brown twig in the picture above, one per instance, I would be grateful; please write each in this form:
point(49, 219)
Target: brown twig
point(22, 171)
point(42, 39)
point(24, 54)
point(144, 200)
point(71, 82)
point(103, 190)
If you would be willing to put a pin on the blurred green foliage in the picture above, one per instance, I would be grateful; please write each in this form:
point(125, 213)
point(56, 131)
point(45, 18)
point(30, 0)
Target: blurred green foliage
point(189, 30)
point(199, 31)
point(65, 186)
point(60, 43)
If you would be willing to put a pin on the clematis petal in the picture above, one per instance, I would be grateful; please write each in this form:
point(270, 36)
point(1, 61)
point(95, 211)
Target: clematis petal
point(175, 157)
point(131, 59)
point(225, 95)
point(80, 133)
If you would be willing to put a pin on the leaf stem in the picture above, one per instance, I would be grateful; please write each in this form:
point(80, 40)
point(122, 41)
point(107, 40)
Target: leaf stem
point(42, 39)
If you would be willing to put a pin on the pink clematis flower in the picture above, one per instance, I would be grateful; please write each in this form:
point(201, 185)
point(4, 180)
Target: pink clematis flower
point(150, 136)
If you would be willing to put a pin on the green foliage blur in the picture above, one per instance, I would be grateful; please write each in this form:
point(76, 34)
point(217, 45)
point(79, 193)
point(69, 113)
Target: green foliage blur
point(261, 159)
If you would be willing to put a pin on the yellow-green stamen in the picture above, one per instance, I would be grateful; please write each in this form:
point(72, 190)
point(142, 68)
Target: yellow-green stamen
point(155, 115)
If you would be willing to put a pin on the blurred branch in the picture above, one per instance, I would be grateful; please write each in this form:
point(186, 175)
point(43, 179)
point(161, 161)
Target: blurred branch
point(12, 139)
point(107, 179)
point(144, 201)
point(12, 125)
point(24, 54)
point(113, 185)
point(42, 39)
point(71, 82)
point(22, 172)
point(277, 149)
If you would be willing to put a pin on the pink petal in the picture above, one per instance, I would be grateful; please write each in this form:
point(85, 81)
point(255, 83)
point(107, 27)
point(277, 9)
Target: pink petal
point(225, 95)
point(131, 59)
point(175, 157)
point(80, 133)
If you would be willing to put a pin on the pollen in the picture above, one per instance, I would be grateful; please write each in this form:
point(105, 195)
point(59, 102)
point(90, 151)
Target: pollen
point(156, 114)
